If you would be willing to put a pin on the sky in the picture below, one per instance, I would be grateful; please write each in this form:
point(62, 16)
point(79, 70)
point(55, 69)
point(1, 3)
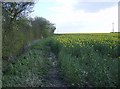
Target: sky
point(79, 16)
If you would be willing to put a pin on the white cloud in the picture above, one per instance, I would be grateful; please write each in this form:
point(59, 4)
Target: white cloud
point(68, 19)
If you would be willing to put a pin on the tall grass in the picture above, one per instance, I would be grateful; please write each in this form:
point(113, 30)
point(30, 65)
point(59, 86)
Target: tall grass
point(84, 59)
point(29, 70)
point(88, 59)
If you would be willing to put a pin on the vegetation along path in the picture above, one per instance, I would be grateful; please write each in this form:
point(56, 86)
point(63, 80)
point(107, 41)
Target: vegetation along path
point(36, 68)
point(63, 61)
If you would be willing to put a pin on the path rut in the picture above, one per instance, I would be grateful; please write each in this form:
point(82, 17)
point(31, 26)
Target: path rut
point(53, 77)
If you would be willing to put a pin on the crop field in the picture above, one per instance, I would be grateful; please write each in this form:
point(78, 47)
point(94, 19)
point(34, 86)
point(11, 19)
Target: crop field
point(83, 60)
point(87, 59)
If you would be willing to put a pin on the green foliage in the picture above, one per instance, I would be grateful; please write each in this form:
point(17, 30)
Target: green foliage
point(85, 60)
point(54, 45)
point(16, 10)
point(12, 42)
point(15, 40)
point(19, 30)
point(88, 59)
point(42, 26)
point(28, 70)
point(92, 69)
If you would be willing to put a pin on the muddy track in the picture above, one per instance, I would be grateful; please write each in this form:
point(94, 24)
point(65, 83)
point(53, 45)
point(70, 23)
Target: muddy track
point(53, 78)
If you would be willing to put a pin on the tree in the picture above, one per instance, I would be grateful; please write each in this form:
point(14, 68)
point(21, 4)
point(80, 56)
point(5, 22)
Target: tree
point(42, 27)
point(13, 21)
point(13, 11)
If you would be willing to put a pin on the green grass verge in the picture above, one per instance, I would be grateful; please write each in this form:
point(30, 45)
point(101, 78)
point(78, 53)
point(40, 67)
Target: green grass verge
point(29, 69)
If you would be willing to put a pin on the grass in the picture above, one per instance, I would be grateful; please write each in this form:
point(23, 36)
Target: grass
point(29, 69)
point(84, 60)
point(88, 59)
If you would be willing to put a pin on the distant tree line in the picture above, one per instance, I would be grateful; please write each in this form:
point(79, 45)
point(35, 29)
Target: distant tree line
point(19, 29)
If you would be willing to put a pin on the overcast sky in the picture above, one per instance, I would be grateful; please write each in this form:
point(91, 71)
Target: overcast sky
point(79, 16)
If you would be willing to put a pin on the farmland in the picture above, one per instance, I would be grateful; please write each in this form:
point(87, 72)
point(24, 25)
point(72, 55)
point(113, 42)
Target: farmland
point(90, 59)
point(84, 60)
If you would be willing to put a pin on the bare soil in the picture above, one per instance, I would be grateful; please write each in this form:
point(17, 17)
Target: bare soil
point(53, 78)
